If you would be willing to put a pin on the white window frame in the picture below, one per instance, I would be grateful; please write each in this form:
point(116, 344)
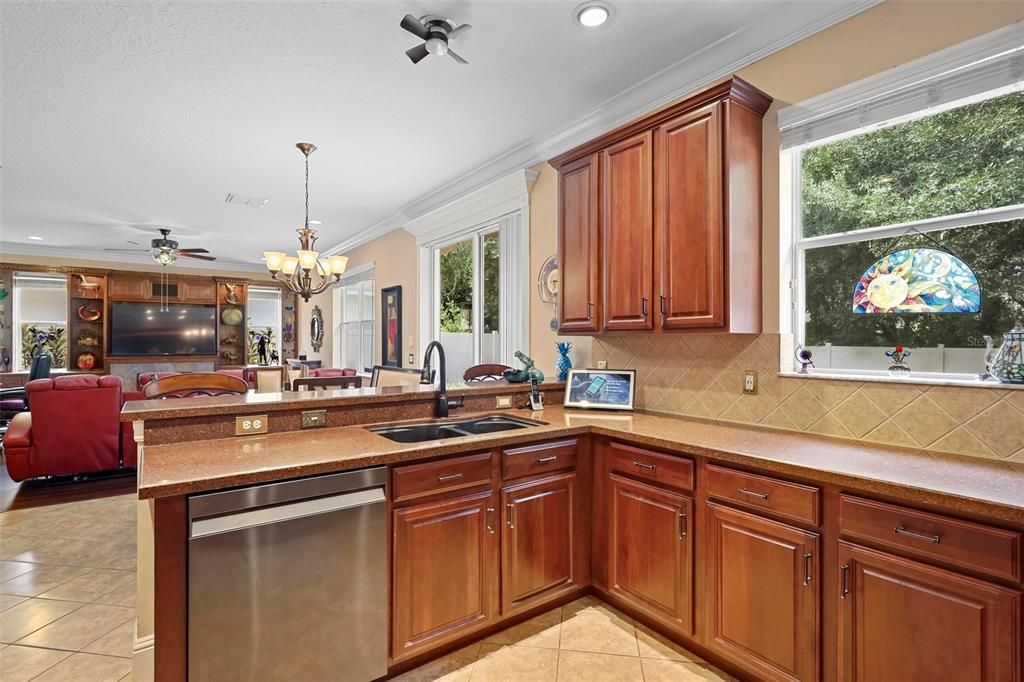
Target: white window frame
point(504, 203)
point(362, 277)
point(18, 317)
point(979, 69)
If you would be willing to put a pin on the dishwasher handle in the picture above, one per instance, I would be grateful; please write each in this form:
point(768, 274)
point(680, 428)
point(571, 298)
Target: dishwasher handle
point(250, 518)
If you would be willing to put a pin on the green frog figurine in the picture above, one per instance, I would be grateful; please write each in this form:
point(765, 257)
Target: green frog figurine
point(528, 373)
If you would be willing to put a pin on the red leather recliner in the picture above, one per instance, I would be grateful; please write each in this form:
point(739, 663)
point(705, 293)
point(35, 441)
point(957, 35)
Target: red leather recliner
point(331, 372)
point(74, 428)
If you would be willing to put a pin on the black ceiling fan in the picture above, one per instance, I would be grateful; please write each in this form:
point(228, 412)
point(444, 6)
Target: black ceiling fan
point(435, 32)
point(165, 250)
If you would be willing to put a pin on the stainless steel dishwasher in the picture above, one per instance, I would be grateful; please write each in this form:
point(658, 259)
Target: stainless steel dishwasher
point(288, 581)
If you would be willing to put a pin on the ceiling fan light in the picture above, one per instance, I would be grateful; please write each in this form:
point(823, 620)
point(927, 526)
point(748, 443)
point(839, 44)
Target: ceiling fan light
point(164, 257)
point(592, 15)
point(307, 259)
point(289, 265)
point(275, 259)
point(437, 46)
point(338, 264)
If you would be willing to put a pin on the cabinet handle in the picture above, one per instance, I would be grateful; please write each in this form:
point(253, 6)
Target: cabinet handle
point(448, 477)
point(661, 306)
point(844, 577)
point(545, 460)
point(649, 467)
point(590, 310)
point(643, 306)
point(682, 525)
point(900, 530)
point(511, 509)
point(490, 520)
point(751, 493)
point(807, 568)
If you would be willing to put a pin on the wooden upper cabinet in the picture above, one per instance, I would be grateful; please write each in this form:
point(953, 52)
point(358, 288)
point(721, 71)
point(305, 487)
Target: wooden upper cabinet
point(679, 221)
point(651, 551)
point(579, 300)
point(904, 620)
point(445, 571)
point(627, 234)
point(538, 540)
point(689, 236)
point(763, 602)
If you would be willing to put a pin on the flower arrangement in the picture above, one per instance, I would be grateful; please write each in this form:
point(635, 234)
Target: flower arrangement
point(48, 339)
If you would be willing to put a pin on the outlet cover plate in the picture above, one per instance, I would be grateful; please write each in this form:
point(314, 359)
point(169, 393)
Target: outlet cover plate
point(314, 418)
point(749, 381)
point(251, 424)
point(502, 401)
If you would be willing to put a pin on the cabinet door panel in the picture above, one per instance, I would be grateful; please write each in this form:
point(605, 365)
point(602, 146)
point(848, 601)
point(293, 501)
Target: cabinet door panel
point(627, 234)
point(688, 220)
point(764, 594)
point(650, 551)
point(578, 263)
point(903, 620)
point(537, 539)
point(445, 560)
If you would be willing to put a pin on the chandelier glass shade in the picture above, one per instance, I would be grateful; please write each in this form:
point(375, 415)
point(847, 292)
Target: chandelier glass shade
point(305, 273)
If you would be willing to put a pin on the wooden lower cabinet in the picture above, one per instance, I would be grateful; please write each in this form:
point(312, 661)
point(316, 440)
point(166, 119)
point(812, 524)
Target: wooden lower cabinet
point(763, 602)
point(445, 559)
point(538, 555)
point(900, 619)
point(650, 551)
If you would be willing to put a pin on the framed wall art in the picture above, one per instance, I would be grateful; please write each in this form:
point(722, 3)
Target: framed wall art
point(391, 326)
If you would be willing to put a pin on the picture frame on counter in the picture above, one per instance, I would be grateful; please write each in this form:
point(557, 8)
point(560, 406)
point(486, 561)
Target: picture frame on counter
point(600, 389)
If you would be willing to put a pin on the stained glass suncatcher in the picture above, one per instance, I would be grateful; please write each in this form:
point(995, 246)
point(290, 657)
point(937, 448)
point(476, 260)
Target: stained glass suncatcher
point(922, 280)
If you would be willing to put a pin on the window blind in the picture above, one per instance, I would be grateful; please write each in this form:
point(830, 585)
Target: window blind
point(991, 62)
point(362, 273)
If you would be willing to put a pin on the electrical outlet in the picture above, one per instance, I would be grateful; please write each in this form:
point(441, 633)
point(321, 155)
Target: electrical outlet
point(311, 418)
point(252, 424)
point(602, 364)
point(749, 381)
point(503, 401)
point(412, 359)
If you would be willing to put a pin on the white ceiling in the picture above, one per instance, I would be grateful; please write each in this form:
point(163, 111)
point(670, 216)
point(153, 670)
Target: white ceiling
point(121, 115)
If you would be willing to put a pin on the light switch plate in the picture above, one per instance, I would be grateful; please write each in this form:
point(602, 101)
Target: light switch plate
point(412, 359)
point(749, 381)
point(602, 364)
point(503, 401)
point(251, 424)
point(314, 418)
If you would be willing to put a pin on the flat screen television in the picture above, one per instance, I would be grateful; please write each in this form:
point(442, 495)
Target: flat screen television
point(141, 329)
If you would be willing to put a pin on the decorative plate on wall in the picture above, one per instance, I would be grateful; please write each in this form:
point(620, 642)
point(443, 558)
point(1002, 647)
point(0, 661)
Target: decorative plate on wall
point(232, 316)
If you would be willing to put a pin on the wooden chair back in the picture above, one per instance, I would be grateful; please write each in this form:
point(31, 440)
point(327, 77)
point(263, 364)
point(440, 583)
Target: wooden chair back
point(327, 382)
point(195, 384)
point(396, 376)
point(486, 372)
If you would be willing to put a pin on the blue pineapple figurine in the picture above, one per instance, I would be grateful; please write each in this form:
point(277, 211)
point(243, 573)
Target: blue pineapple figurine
point(564, 363)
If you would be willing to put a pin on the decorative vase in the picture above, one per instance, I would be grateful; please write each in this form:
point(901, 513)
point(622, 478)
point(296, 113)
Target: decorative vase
point(564, 363)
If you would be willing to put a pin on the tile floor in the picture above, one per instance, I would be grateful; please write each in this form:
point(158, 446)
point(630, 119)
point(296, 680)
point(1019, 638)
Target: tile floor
point(67, 590)
point(585, 641)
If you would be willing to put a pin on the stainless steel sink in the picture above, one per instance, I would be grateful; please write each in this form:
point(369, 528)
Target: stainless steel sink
point(434, 430)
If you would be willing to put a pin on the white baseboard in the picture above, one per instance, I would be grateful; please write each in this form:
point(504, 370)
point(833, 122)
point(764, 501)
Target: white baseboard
point(143, 667)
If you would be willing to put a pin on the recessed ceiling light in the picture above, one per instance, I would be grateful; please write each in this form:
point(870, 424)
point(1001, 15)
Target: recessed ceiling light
point(592, 14)
point(35, 238)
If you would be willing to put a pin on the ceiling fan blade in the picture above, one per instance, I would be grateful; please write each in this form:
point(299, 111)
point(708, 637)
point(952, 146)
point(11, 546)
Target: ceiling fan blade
point(196, 255)
point(456, 57)
point(417, 53)
point(458, 30)
point(415, 26)
point(193, 251)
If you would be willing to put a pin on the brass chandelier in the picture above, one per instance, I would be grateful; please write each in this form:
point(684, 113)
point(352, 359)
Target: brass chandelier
point(306, 273)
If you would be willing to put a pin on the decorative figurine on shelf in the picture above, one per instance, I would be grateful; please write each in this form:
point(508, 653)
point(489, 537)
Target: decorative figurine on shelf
point(230, 357)
point(803, 357)
point(528, 373)
point(564, 363)
point(898, 355)
point(231, 295)
point(1007, 364)
point(229, 339)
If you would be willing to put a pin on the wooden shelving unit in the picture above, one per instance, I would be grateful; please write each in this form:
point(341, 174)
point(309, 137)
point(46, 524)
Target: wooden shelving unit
point(87, 294)
point(231, 338)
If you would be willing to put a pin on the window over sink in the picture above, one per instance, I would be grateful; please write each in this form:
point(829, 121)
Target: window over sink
point(898, 165)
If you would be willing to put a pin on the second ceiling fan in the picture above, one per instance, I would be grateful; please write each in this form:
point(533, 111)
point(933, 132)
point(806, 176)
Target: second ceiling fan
point(435, 32)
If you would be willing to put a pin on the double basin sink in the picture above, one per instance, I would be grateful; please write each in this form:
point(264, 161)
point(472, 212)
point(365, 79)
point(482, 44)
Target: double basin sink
point(436, 430)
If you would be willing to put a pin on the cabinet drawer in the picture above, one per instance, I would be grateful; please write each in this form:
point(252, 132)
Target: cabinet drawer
point(783, 498)
point(994, 551)
point(457, 473)
point(675, 472)
point(538, 459)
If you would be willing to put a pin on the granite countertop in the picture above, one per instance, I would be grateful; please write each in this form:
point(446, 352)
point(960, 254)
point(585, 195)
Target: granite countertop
point(972, 485)
point(135, 410)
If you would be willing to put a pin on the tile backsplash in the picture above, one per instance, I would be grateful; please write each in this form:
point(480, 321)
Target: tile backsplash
point(701, 375)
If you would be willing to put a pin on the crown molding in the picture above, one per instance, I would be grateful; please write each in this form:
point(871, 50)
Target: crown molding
point(763, 36)
point(103, 259)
